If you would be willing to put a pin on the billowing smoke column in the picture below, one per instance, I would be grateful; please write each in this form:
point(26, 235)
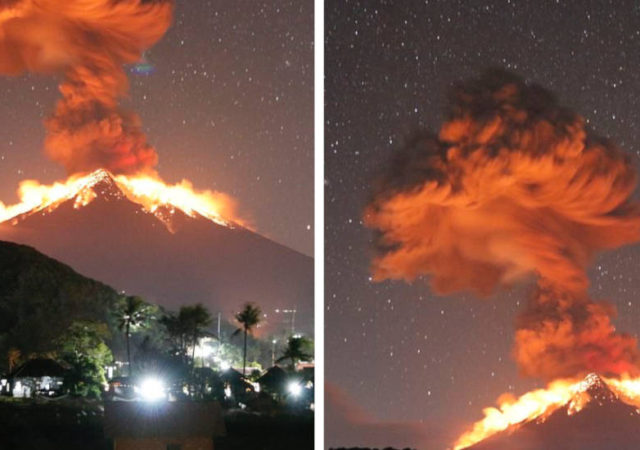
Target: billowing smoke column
point(513, 186)
point(86, 42)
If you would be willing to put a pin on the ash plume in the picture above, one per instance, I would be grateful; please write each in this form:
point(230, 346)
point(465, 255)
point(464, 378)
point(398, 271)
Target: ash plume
point(86, 43)
point(513, 186)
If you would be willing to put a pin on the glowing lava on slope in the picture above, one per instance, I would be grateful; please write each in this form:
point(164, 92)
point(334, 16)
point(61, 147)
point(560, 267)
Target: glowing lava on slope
point(538, 405)
point(149, 191)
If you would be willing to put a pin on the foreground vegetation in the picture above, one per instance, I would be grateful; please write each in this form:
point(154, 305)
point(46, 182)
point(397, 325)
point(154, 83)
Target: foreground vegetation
point(48, 310)
point(43, 425)
point(77, 425)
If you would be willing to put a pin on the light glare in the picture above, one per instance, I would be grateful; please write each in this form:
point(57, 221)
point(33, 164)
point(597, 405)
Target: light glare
point(151, 389)
point(295, 389)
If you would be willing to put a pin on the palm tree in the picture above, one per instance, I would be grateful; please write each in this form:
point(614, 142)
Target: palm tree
point(195, 318)
point(296, 350)
point(132, 314)
point(187, 327)
point(249, 317)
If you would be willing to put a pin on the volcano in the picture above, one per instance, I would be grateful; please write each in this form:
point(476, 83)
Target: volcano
point(168, 255)
point(596, 417)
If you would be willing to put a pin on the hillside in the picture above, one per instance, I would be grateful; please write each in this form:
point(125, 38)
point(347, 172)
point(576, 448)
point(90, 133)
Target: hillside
point(169, 257)
point(40, 297)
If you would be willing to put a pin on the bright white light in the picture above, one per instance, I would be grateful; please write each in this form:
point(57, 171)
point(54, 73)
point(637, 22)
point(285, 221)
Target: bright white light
point(224, 365)
point(151, 389)
point(204, 348)
point(17, 390)
point(295, 389)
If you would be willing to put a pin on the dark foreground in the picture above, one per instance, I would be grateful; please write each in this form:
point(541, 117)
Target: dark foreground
point(78, 426)
point(267, 433)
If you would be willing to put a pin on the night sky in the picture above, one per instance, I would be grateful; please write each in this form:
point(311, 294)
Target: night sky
point(403, 366)
point(227, 101)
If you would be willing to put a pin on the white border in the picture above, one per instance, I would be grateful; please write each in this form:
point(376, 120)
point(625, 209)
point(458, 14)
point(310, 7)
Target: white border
point(319, 222)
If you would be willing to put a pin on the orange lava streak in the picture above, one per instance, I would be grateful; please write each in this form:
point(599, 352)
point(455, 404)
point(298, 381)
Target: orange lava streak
point(149, 191)
point(152, 193)
point(540, 403)
point(627, 388)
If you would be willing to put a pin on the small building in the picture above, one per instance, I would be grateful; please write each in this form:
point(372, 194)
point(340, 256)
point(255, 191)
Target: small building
point(182, 425)
point(38, 376)
point(274, 382)
point(236, 386)
point(121, 388)
point(308, 377)
point(263, 403)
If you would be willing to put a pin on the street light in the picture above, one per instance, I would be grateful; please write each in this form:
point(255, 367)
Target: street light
point(151, 389)
point(273, 352)
point(295, 389)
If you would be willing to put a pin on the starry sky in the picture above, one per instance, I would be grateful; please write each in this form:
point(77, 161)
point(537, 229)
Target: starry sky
point(417, 368)
point(226, 99)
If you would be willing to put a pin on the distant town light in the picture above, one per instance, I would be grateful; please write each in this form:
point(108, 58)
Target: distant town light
point(151, 389)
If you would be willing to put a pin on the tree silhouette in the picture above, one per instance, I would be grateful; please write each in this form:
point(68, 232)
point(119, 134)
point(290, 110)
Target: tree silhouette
point(187, 327)
point(298, 349)
point(133, 313)
point(248, 318)
point(196, 319)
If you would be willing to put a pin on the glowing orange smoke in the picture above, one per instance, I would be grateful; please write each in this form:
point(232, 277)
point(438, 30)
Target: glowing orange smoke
point(87, 43)
point(149, 191)
point(541, 403)
point(514, 187)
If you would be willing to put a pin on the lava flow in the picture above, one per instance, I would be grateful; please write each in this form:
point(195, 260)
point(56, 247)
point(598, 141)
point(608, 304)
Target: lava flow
point(146, 190)
point(537, 405)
